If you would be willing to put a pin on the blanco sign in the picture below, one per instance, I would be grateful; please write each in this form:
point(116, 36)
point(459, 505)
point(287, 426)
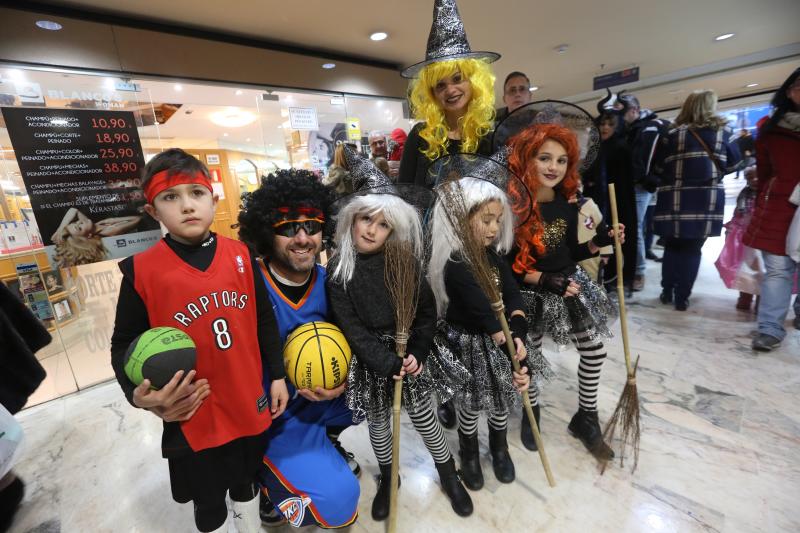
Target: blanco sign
point(303, 118)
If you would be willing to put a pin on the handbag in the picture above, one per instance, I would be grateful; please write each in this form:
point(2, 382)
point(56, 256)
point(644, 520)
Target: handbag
point(711, 154)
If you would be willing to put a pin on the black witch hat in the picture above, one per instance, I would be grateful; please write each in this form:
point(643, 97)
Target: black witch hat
point(493, 169)
point(369, 179)
point(571, 116)
point(447, 39)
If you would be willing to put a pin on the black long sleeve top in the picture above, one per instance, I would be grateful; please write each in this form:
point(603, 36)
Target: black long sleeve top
point(468, 306)
point(132, 319)
point(365, 309)
point(414, 164)
point(562, 251)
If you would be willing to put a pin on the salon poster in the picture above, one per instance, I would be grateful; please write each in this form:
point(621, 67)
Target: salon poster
point(32, 288)
point(82, 169)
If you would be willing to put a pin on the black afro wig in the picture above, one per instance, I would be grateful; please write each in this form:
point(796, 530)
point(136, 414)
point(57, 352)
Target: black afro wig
point(291, 188)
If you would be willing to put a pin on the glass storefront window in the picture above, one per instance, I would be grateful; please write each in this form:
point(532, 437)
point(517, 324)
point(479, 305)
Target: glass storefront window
point(240, 133)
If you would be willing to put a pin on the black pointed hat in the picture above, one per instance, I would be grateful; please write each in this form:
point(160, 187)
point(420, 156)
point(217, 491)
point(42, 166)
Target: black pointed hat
point(571, 116)
point(447, 39)
point(369, 179)
point(494, 169)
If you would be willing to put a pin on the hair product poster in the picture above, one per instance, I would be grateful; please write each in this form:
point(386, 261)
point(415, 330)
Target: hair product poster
point(81, 169)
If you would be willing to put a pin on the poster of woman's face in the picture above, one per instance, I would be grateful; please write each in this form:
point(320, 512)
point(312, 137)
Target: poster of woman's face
point(321, 144)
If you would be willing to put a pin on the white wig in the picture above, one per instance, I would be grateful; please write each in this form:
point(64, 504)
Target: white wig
point(403, 219)
point(444, 243)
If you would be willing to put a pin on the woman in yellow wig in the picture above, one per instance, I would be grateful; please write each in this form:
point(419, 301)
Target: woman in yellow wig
point(452, 93)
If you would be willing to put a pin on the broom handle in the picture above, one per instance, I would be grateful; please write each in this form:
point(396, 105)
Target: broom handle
point(526, 402)
point(398, 395)
point(612, 195)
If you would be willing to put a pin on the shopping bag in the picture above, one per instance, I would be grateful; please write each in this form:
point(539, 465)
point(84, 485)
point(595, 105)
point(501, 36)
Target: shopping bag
point(730, 259)
point(10, 439)
point(750, 273)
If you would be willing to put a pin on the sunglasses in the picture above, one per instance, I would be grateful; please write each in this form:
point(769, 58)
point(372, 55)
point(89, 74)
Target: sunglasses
point(290, 228)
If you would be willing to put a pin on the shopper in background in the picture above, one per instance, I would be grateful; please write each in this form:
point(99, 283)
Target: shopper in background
point(516, 93)
point(778, 167)
point(377, 145)
point(21, 335)
point(747, 147)
point(692, 160)
point(642, 131)
point(338, 177)
point(613, 165)
point(397, 143)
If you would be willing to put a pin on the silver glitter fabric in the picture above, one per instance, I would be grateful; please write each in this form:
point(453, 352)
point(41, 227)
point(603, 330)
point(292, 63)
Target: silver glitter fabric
point(370, 396)
point(558, 318)
point(368, 179)
point(490, 387)
point(494, 169)
point(564, 114)
point(447, 39)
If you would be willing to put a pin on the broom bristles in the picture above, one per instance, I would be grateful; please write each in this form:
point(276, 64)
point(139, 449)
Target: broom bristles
point(626, 419)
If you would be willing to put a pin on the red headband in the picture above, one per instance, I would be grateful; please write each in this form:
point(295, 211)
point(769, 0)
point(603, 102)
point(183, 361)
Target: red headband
point(161, 182)
point(312, 212)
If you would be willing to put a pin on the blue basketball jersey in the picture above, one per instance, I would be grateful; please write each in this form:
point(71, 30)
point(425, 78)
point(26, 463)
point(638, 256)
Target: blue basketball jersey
point(313, 306)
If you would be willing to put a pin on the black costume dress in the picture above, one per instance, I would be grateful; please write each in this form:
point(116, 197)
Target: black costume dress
point(558, 316)
point(365, 313)
point(465, 334)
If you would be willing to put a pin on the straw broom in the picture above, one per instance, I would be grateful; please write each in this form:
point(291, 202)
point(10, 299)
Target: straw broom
point(402, 278)
point(626, 413)
point(474, 255)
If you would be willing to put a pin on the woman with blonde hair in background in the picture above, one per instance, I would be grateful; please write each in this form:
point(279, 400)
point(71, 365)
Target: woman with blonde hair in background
point(692, 160)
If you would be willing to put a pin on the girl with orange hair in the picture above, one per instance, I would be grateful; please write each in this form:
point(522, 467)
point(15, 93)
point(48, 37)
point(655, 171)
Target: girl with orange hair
point(561, 300)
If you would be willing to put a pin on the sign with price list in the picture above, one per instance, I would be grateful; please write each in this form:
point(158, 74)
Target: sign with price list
point(82, 170)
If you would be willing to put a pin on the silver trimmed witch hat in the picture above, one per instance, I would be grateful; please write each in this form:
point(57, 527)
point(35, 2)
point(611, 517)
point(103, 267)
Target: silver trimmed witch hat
point(447, 40)
point(369, 179)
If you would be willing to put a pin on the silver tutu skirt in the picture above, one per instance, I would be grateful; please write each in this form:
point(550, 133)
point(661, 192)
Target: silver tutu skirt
point(370, 396)
point(490, 387)
point(560, 318)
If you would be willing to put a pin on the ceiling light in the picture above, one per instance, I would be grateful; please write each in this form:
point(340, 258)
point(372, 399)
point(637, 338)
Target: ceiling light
point(239, 92)
point(49, 25)
point(534, 88)
point(724, 36)
point(224, 134)
point(749, 85)
point(328, 66)
point(232, 118)
point(561, 48)
point(379, 36)
point(247, 140)
point(178, 87)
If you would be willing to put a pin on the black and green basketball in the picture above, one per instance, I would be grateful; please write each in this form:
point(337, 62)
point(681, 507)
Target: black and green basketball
point(157, 354)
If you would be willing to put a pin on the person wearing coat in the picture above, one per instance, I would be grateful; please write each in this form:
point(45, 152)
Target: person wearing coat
point(21, 335)
point(778, 169)
point(692, 159)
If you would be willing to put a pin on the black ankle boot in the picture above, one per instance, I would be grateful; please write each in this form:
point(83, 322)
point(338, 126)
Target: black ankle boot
point(451, 485)
point(586, 427)
point(525, 431)
point(447, 415)
point(501, 461)
point(10, 498)
point(380, 505)
point(470, 461)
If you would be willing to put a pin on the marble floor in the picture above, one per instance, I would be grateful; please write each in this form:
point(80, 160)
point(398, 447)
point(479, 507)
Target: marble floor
point(720, 448)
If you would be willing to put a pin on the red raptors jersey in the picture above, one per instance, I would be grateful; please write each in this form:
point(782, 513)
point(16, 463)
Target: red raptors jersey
point(216, 308)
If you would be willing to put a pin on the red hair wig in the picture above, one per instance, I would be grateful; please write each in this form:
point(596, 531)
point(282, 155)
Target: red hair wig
point(524, 148)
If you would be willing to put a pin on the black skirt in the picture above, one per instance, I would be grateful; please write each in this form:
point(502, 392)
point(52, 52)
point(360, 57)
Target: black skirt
point(207, 475)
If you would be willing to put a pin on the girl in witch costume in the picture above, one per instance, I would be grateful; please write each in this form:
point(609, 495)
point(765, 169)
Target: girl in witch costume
point(468, 328)
point(362, 306)
point(561, 300)
point(451, 93)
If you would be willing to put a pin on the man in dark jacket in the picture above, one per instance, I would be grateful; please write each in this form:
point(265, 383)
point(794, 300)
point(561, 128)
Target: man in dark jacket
point(516, 93)
point(643, 129)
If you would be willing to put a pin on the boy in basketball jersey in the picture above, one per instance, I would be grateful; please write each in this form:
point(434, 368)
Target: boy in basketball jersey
point(306, 477)
point(215, 417)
